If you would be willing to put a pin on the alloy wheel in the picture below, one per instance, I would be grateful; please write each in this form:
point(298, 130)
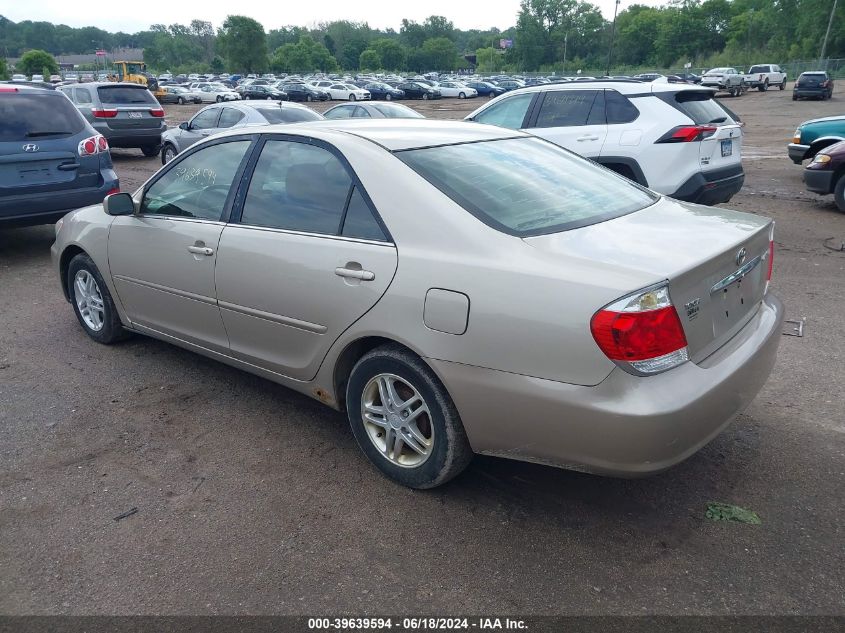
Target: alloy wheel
point(89, 300)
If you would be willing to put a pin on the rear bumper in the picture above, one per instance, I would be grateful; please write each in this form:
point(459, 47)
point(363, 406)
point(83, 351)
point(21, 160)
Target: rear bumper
point(626, 425)
point(711, 187)
point(819, 180)
point(46, 208)
point(797, 152)
point(809, 92)
point(131, 138)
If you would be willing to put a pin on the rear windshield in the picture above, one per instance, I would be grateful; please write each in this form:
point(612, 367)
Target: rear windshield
point(288, 115)
point(758, 69)
point(526, 186)
point(700, 107)
point(812, 76)
point(38, 115)
point(397, 111)
point(125, 95)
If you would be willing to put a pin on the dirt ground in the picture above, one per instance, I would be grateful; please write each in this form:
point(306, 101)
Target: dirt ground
point(252, 499)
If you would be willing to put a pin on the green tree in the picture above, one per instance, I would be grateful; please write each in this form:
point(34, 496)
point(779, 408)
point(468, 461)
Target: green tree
point(306, 55)
point(4, 71)
point(369, 60)
point(391, 53)
point(37, 61)
point(243, 43)
point(440, 53)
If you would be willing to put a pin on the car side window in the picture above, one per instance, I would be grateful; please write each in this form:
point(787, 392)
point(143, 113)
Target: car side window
point(206, 120)
point(509, 113)
point(82, 96)
point(198, 185)
point(567, 108)
point(299, 187)
point(230, 117)
point(359, 220)
point(360, 113)
point(342, 112)
point(619, 108)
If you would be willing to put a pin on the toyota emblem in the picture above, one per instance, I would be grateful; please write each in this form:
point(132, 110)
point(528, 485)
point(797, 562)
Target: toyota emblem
point(740, 256)
point(30, 147)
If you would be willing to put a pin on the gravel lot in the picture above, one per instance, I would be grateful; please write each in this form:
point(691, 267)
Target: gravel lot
point(252, 499)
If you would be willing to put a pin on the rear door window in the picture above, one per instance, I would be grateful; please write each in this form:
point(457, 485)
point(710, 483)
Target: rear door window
point(230, 117)
point(82, 96)
point(125, 95)
point(205, 120)
point(28, 116)
point(568, 108)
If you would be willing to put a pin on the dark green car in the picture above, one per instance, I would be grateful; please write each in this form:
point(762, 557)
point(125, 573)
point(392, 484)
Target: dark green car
point(814, 135)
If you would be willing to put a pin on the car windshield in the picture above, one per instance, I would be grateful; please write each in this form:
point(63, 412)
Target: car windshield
point(397, 111)
point(289, 115)
point(43, 115)
point(125, 95)
point(526, 186)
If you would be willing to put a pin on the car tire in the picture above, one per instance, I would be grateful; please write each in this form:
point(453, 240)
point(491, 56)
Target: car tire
point(461, 95)
point(794, 98)
point(839, 193)
point(308, 97)
point(442, 449)
point(783, 84)
point(352, 97)
point(425, 96)
point(764, 86)
point(151, 150)
point(388, 97)
point(168, 153)
point(180, 101)
point(269, 98)
point(92, 303)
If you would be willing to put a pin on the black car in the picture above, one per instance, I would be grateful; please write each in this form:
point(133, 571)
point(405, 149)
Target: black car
point(486, 89)
point(690, 78)
point(383, 91)
point(417, 90)
point(304, 92)
point(53, 160)
point(263, 92)
point(816, 84)
point(510, 84)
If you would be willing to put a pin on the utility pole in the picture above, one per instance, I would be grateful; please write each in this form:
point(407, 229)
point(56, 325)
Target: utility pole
point(827, 34)
point(612, 35)
point(565, 38)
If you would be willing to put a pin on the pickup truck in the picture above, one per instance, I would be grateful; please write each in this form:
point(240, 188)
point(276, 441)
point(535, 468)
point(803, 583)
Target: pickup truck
point(761, 76)
point(724, 79)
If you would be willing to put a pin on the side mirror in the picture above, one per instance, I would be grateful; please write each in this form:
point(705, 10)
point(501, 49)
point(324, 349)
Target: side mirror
point(119, 204)
point(184, 126)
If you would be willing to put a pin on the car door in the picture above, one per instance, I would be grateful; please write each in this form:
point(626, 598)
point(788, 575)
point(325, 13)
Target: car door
point(204, 124)
point(574, 119)
point(162, 258)
point(307, 257)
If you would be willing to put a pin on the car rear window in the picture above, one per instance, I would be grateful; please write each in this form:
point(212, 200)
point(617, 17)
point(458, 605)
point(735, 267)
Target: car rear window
point(526, 186)
point(288, 115)
point(125, 95)
point(397, 111)
point(38, 115)
point(758, 69)
point(700, 107)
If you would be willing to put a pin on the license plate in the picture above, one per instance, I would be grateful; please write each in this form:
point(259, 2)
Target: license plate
point(727, 147)
point(138, 115)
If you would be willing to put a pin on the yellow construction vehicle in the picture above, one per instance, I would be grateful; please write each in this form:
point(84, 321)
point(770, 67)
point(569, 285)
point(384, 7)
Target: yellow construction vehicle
point(136, 73)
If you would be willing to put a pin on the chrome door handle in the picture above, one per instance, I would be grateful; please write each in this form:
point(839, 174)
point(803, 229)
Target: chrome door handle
point(363, 275)
point(201, 250)
point(587, 138)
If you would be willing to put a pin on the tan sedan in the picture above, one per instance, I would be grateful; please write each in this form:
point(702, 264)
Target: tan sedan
point(456, 288)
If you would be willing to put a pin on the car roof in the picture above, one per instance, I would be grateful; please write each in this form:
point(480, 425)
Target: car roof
point(623, 86)
point(395, 134)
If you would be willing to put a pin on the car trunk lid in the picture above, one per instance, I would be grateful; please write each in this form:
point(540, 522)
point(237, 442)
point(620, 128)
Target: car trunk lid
point(715, 260)
point(134, 105)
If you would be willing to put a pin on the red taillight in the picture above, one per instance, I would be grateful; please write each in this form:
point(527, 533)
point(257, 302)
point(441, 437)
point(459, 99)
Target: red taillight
point(8, 89)
point(111, 191)
point(825, 84)
point(92, 145)
point(687, 134)
point(157, 112)
point(642, 331)
point(104, 113)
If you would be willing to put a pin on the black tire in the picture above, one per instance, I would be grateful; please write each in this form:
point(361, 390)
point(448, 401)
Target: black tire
point(794, 98)
point(269, 98)
point(219, 99)
point(450, 452)
point(151, 150)
point(764, 86)
point(782, 84)
point(164, 151)
point(388, 97)
point(180, 101)
point(112, 330)
point(839, 193)
point(352, 97)
point(461, 95)
point(425, 96)
point(308, 97)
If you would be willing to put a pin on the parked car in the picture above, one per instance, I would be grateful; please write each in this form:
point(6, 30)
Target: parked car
point(53, 160)
point(417, 90)
point(372, 110)
point(456, 89)
point(814, 135)
point(826, 173)
point(380, 90)
point(300, 91)
point(690, 78)
point(127, 114)
point(761, 76)
point(180, 95)
point(725, 80)
point(264, 92)
point(510, 84)
point(347, 92)
point(618, 320)
point(816, 84)
point(37, 78)
point(219, 117)
point(675, 124)
point(486, 89)
point(18, 77)
point(214, 93)
point(648, 76)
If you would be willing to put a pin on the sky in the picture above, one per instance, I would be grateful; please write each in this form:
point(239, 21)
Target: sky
point(130, 17)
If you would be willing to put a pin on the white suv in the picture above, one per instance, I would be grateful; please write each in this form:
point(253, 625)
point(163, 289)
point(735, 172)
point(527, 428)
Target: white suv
point(672, 138)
